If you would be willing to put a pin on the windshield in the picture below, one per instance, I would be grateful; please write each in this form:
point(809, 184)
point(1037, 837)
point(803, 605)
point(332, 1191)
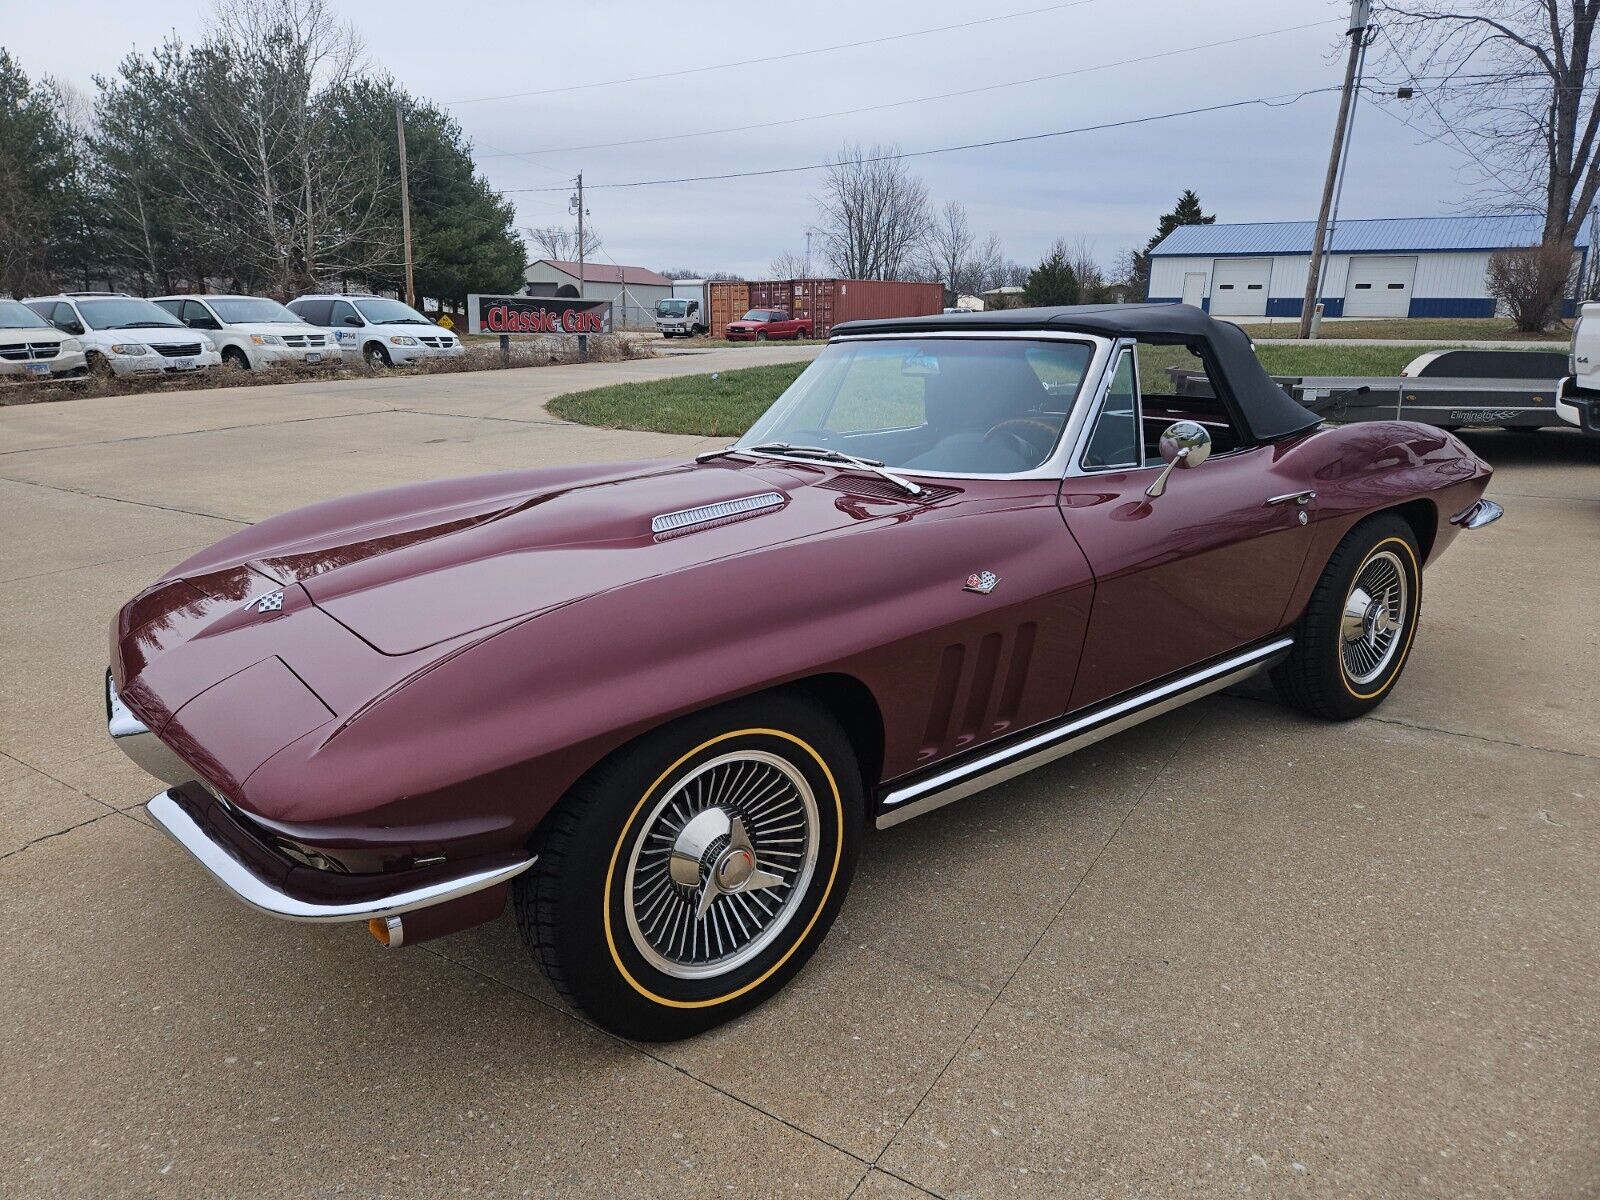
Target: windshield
point(240, 310)
point(672, 308)
point(757, 314)
point(991, 407)
point(126, 312)
point(390, 312)
point(16, 315)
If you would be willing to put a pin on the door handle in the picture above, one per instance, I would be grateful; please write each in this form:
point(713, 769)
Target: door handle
point(1300, 498)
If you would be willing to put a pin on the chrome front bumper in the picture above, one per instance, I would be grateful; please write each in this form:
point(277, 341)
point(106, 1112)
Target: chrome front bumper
point(178, 819)
point(257, 874)
point(1478, 514)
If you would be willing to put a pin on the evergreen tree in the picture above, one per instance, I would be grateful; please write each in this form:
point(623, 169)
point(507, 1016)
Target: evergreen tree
point(1053, 281)
point(1185, 212)
point(462, 233)
point(39, 183)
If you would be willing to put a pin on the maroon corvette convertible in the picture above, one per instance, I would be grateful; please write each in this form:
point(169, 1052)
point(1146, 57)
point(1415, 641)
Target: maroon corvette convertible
point(656, 703)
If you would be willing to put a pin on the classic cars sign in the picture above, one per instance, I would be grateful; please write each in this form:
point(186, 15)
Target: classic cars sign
point(537, 315)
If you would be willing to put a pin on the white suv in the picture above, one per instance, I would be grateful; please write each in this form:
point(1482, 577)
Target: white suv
point(384, 332)
point(32, 348)
point(252, 332)
point(124, 335)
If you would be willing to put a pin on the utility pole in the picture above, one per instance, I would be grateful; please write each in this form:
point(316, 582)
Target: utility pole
point(808, 254)
point(579, 201)
point(405, 204)
point(1360, 13)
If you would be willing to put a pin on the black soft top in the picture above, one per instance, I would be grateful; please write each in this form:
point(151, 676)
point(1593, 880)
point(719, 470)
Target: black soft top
point(1263, 406)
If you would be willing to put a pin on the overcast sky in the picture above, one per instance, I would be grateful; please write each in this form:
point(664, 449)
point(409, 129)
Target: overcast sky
point(1247, 164)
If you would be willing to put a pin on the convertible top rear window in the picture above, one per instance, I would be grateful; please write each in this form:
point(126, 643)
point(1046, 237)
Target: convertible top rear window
point(965, 407)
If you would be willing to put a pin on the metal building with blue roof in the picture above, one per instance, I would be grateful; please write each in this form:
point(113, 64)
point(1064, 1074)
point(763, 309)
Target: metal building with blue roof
point(1391, 267)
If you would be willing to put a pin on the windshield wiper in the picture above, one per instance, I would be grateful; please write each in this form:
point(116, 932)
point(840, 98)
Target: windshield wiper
point(839, 456)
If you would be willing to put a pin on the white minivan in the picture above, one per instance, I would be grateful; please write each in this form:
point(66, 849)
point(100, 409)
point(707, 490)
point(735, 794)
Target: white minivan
point(32, 348)
point(124, 335)
point(253, 332)
point(383, 332)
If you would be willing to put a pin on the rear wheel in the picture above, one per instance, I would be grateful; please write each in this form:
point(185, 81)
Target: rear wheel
point(1356, 635)
point(690, 875)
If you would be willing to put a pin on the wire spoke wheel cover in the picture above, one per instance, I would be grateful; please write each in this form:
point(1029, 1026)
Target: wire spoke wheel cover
point(721, 863)
point(1373, 623)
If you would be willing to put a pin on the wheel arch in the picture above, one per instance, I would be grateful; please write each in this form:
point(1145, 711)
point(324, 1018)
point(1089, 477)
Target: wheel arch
point(853, 705)
point(1423, 517)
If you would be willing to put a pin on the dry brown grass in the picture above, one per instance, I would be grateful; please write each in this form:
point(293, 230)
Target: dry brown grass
point(480, 356)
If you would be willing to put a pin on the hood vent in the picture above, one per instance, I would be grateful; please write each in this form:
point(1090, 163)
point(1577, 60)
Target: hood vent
point(688, 518)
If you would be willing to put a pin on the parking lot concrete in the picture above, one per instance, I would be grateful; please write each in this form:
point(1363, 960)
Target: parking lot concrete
point(1231, 952)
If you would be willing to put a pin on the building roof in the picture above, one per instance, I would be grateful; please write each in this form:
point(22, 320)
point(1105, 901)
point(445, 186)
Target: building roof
point(1389, 235)
point(606, 272)
point(1264, 408)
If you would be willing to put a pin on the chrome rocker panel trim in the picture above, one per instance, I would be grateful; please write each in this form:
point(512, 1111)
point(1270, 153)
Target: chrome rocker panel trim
point(1061, 738)
point(272, 900)
point(1478, 514)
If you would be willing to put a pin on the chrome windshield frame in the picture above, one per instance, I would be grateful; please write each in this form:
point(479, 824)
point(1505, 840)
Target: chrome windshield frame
point(1054, 467)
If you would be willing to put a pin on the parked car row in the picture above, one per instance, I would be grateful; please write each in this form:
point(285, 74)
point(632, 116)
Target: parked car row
point(114, 334)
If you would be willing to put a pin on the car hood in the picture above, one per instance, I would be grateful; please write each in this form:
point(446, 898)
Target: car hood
point(415, 567)
point(264, 328)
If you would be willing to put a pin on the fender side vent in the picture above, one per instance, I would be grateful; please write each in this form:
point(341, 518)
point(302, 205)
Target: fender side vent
point(688, 518)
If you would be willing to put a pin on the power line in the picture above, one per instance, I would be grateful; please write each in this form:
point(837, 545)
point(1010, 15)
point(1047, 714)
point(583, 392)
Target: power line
point(973, 91)
point(772, 58)
point(1265, 101)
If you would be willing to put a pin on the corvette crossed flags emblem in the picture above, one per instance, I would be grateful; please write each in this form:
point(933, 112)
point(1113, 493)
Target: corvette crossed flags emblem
point(981, 582)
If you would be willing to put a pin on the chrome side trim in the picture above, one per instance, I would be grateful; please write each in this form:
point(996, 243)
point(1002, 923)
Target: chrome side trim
point(673, 521)
point(138, 742)
point(275, 902)
point(1074, 733)
point(1478, 514)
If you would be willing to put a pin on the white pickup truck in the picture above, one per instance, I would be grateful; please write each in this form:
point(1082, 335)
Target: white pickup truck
point(1578, 395)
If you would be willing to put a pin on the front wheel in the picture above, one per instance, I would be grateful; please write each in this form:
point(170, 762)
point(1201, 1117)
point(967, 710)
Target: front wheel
point(1355, 637)
point(377, 357)
point(691, 874)
point(761, 335)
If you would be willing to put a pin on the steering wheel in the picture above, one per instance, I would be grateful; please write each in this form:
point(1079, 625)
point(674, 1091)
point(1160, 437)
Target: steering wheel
point(1027, 437)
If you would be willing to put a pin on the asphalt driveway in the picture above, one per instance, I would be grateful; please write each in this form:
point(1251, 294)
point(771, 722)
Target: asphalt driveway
point(1232, 952)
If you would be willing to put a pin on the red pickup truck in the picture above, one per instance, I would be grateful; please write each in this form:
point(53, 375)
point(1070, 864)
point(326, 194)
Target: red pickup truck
point(759, 324)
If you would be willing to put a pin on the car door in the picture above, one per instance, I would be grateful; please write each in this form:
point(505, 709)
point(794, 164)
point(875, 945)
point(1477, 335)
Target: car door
point(1184, 577)
point(347, 324)
point(197, 316)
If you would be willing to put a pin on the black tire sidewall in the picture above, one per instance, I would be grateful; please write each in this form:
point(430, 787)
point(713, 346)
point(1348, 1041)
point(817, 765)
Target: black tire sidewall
point(1319, 651)
point(608, 976)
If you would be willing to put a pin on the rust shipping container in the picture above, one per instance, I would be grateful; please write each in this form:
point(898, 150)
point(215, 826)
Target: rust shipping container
point(827, 302)
point(728, 301)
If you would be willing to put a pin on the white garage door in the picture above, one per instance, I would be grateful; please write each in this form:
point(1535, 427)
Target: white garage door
point(1239, 287)
point(1379, 287)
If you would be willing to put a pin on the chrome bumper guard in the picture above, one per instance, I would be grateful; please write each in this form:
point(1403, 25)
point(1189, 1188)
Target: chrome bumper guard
point(271, 898)
point(1478, 514)
point(246, 880)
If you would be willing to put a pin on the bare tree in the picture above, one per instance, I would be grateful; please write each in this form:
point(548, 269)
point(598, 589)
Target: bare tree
point(266, 176)
point(988, 265)
point(948, 253)
point(1090, 275)
point(872, 214)
point(1531, 282)
point(560, 242)
point(788, 265)
point(1513, 84)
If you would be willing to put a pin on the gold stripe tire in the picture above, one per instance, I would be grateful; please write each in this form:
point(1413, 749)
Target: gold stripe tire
point(1332, 672)
point(573, 908)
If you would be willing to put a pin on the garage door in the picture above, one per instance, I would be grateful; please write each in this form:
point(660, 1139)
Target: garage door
point(1239, 287)
point(1379, 287)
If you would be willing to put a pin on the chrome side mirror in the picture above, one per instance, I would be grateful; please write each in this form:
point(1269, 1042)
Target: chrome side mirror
point(1183, 444)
